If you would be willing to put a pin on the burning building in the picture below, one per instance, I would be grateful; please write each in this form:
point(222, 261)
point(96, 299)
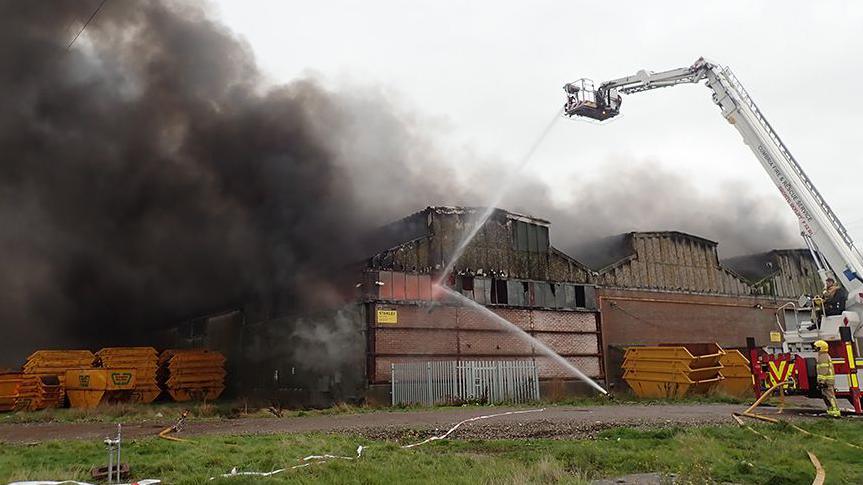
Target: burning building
point(660, 287)
point(632, 289)
point(510, 267)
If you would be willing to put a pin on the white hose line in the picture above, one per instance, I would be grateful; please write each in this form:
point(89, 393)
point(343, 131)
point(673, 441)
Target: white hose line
point(318, 459)
point(443, 436)
point(309, 460)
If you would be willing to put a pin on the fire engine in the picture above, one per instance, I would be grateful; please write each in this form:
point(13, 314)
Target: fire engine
point(793, 359)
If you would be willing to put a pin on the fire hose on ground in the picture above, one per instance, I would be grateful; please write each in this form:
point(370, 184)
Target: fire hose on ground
point(319, 459)
point(750, 414)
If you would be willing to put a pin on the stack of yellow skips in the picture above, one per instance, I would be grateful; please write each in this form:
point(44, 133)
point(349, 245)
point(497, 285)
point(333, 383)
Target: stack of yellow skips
point(673, 371)
point(192, 374)
point(143, 360)
point(28, 392)
point(9, 382)
point(737, 375)
point(55, 363)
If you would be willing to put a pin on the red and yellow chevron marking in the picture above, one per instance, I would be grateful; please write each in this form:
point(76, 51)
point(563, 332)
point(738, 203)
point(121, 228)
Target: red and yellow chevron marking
point(852, 365)
point(780, 370)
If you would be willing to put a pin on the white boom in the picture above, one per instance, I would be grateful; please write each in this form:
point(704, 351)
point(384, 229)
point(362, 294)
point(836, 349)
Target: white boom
point(825, 236)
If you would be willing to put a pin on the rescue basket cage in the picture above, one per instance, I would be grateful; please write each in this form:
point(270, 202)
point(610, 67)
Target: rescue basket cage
point(583, 100)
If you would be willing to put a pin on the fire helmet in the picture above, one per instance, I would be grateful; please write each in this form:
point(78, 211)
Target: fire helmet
point(821, 345)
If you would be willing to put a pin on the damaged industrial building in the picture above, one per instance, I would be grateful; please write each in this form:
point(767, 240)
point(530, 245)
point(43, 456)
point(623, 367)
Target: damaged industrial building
point(632, 289)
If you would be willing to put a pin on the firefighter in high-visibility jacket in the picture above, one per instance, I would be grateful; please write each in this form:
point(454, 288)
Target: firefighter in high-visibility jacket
point(826, 378)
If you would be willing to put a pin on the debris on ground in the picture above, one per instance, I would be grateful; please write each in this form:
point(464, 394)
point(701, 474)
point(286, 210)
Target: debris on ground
point(147, 481)
point(101, 472)
point(175, 428)
point(275, 411)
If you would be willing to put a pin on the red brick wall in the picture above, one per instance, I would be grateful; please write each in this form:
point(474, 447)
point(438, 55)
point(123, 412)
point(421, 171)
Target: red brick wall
point(436, 332)
point(642, 317)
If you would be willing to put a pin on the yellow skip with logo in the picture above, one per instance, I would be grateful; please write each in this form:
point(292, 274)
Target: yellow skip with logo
point(87, 388)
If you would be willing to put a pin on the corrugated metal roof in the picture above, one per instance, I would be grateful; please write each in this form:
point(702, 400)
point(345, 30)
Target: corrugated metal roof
point(756, 267)
point(781, 272)
point(450, 210)
point(603, 254)
point(669, 260)
point(662, 260)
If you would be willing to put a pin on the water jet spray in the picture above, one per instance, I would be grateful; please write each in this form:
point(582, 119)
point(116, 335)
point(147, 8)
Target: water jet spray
point(511, 327)
point(495, 201)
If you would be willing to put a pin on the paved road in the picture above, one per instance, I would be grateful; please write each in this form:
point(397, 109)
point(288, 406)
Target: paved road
point(553, 422)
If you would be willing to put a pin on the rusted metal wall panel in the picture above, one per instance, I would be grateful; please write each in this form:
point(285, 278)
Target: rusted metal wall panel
point(515, 293)
point(399, 285)
point(412, 287)
point(396, 286)
point(425, 287)
point(385, 285)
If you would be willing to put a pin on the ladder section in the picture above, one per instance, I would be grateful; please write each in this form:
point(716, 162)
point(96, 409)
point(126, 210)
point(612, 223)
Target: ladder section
point(744, 96)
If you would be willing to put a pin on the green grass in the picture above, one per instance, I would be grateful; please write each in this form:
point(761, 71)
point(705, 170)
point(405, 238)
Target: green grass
point(696, 455)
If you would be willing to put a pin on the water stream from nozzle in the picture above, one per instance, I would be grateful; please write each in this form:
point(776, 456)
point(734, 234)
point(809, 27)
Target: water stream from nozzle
point(495, 201)
point(469, 236)
point(541, 347)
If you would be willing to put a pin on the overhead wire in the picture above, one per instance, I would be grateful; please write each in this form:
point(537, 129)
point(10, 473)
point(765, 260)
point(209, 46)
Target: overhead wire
point(92, 16)
point(616, 306)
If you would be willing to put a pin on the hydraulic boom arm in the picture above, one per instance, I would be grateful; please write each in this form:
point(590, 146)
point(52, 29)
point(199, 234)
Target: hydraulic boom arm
point(824, 234)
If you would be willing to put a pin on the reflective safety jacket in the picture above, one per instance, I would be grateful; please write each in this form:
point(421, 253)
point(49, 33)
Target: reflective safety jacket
point(825, 368)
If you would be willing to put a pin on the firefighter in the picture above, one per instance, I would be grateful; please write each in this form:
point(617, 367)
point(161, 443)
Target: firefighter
point(826, 378)
point(834, 298)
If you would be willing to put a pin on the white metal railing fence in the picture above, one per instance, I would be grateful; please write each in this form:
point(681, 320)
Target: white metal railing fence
point(450, 382)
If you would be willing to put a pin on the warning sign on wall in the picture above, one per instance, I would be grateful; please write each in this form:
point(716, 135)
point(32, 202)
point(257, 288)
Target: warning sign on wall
point(388, 316)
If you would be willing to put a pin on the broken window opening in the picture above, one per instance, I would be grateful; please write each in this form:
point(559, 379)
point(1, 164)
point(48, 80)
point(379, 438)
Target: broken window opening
point(467, 283)
point(499, 292)
point(580, 300)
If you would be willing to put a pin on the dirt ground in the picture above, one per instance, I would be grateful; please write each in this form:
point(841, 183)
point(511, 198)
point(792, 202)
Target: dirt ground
point(553, 422)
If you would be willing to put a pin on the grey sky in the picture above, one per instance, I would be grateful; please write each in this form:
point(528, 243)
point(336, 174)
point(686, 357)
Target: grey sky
point(487, 77)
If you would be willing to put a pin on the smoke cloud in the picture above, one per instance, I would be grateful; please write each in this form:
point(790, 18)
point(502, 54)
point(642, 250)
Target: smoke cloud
point(150, 173)
point(642, 195)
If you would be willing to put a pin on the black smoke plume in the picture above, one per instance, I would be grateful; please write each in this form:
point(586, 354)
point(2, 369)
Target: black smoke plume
point(151, 173)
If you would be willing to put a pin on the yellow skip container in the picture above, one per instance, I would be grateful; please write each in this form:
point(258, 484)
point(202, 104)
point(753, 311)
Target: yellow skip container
point(673, 371)
point(87, 388)
point(737, 375)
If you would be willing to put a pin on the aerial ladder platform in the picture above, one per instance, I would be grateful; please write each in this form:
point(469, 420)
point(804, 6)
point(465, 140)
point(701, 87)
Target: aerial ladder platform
point(828, 241)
